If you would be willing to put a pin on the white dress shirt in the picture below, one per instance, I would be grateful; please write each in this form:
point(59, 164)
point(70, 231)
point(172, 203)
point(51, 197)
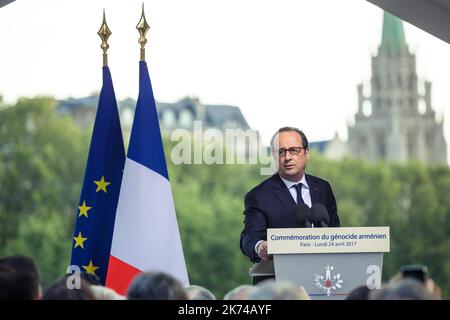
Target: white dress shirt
point(291, 187)
point(305, 190)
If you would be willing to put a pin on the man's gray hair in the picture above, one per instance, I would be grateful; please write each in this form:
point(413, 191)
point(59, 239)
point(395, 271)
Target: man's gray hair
point(199, 293)
point(287, 129)
point(404, 289)
point(271, 290)
point(239, 293)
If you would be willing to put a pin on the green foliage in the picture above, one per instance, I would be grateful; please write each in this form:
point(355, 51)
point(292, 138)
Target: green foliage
point(210, 216)
point(46, 237)
point(411, 199)
point(42, 159)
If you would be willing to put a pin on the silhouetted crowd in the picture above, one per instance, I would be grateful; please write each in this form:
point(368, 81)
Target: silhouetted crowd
point(19, 280)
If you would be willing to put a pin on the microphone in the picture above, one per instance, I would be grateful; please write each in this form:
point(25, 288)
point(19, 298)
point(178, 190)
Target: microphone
point(302, 214)
point(320, 215)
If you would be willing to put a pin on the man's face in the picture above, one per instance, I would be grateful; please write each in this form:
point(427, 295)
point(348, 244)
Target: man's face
point(290, 167)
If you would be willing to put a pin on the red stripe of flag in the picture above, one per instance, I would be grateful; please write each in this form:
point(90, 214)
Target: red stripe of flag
point(120, 275)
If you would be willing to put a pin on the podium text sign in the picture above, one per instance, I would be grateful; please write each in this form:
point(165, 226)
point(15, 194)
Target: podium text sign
point(329, 262)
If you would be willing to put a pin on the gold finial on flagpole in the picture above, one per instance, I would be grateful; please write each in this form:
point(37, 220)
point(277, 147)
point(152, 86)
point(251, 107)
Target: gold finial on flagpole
point(104, 34)
point(142, 27)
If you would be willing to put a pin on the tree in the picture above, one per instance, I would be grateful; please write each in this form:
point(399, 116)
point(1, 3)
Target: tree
point(42, 157)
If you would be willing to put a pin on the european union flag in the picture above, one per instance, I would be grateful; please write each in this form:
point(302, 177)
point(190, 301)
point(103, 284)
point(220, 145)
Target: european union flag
point(101, 186)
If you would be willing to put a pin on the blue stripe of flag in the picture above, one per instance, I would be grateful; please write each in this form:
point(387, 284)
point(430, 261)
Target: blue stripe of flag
point(146, 145)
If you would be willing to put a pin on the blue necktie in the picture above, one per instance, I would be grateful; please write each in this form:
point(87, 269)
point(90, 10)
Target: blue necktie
point(298, 187)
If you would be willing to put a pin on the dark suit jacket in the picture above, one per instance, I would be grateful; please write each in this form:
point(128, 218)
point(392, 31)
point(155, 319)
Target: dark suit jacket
point(270, 205)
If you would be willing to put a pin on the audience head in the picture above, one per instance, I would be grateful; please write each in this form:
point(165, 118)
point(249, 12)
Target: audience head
point(199, 293)
point(403, 289)
point(419, 273)
point(271, 290)
point(19, 278)
point(59, 290)
point(359, 293)
point(156, 286)
point(239, 293)
point(103, 293)
point(90, 278)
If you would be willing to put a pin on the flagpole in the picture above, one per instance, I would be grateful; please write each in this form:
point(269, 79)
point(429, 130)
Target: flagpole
point(104, 34)
point(102, 180)
point(145, 215)
point(142, 27)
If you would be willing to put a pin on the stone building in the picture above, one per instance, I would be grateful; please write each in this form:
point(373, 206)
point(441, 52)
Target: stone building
point(395, 122)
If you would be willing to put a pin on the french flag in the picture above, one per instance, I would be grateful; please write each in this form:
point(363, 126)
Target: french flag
point(146, 236)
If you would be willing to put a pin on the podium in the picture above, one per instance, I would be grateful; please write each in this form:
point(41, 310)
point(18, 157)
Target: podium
point(328, 262)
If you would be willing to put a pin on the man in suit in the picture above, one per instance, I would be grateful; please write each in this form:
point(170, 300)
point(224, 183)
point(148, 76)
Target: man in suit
point(271, 204)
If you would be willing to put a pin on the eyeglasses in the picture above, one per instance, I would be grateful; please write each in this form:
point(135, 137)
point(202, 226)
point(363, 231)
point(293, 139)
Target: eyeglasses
point(295, 151)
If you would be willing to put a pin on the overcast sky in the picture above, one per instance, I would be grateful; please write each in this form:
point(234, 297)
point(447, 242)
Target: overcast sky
point(283, 62)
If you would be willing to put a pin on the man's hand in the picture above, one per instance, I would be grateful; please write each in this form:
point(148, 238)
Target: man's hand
point(262, 251)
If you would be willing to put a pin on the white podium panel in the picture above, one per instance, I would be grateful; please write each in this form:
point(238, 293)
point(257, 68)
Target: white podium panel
point(328, 262)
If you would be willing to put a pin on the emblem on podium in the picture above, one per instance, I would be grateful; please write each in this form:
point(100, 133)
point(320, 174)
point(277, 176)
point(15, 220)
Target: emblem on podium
point(329, 281)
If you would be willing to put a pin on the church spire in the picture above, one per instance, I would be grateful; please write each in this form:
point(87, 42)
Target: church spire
point(393, 37)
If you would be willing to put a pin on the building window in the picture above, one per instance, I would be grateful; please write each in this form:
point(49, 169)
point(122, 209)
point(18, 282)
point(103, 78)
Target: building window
point(230, 123)
point(168, 119)
point(376, 83)
point(186, 119)
point(422, 106)
point(381, 146)
point(412, 81)
point(127, 117)
point(362, 146)
point(429, 141)
point(412, 149)
point(367, 108)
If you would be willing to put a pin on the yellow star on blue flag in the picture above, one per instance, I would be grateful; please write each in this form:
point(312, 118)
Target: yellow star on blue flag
point(101, 186)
